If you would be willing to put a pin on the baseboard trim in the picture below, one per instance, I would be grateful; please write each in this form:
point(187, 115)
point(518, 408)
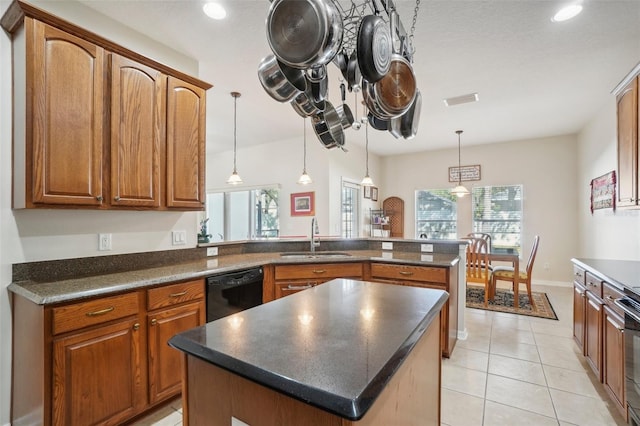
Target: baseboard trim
point(552, 283)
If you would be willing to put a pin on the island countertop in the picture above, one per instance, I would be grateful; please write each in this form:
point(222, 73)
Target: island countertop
point(334, 346)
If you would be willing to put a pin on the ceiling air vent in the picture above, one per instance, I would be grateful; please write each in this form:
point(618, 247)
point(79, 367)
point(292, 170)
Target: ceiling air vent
point(464, 99)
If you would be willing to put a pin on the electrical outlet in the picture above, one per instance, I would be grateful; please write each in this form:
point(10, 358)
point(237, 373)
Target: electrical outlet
point(426, 257)
point(104, 242)
point(547, 266)
point(212, 251)
point(426, 248)
point(179, 238)
point(386, 245)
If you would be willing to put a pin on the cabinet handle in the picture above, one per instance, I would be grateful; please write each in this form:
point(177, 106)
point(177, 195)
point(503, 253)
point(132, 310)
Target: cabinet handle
point(154, 321)
point(609, 298)
point(617, 327)
point(136, 326)
point(299, 287)
point(117, 198)
point(100, 312)
point(182, 293)
point(406, 273)
point(319, 271)
point(99, 198)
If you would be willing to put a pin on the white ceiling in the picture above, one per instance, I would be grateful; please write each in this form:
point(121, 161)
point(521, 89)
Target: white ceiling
point(535, 78)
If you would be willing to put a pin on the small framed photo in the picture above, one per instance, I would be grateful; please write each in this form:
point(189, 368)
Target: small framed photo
point(374, 193)
point(303, 204)
point(367, 192)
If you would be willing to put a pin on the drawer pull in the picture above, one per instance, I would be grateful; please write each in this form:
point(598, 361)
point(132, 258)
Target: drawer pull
point(100, 312)
point(136, 326)
point(319, 271)
point(154, 321)
point(182, 293)
point(609, 298)
point(406, 273)
point(299, 287)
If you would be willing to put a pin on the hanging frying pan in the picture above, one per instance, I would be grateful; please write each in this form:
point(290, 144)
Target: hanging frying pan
point(394, 93)
point(304, 33)
point(406, 125)
point(374, 48)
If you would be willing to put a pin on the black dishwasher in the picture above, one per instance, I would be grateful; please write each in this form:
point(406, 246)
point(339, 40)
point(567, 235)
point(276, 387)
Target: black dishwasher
point(233, 292)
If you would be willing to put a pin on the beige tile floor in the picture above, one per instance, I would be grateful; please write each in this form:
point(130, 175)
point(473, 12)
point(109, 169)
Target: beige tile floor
point(511, 370)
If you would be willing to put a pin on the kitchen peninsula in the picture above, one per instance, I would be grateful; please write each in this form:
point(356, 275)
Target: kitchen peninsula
point(348, 352)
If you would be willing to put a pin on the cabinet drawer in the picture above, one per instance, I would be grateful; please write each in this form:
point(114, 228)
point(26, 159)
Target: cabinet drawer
point(80, 315)
point(290, 287)
point(409, 273)
point(578, 275)
point(609, 294)
point(594, 285)
point(319, 270)
point(174, 294)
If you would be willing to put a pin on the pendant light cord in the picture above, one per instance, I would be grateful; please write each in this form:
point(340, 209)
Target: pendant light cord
point(304, 139)
point(459, 162)
point(235, 129)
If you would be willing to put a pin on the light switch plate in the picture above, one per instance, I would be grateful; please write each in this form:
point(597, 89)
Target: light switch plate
point(212, 251)
point(426, 248)
point(386, 245)
point(178, 238)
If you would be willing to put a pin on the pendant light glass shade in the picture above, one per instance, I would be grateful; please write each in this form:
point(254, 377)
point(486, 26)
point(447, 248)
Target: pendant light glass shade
point(235, 178)
point(305, 179)
point(366, 181)
point(459, 190)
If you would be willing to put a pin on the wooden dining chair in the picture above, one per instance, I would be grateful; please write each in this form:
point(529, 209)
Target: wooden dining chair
point(505, 273)
point(478, 264)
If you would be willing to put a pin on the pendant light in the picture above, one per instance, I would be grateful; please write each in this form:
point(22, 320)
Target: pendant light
point(366, 181)
point(459, 190)
point(235, 178)
point(305, 179)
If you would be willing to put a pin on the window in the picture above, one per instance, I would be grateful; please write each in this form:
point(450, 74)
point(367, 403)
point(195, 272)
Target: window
point(497, 210)
point(436, 214)
point(349, 212)
point(243, 215)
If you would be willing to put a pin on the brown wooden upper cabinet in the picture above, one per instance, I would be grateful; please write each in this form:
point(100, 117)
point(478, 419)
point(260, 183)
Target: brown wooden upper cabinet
point(99, 126)
point(628, 117)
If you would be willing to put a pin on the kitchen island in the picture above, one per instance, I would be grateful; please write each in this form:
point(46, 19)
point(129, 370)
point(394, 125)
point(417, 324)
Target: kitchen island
point(345, 353)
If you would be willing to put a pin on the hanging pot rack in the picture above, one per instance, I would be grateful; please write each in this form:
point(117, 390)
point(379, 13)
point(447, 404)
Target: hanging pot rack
point(349, 14)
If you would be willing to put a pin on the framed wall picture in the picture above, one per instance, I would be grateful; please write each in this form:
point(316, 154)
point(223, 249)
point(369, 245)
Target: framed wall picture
point(464, 173)
point(367, 192)
point(374, 193)
point(303, 204)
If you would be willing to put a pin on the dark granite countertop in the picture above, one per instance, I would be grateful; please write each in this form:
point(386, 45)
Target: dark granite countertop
point(50, 292)
point(334, 346)
point(621, 273)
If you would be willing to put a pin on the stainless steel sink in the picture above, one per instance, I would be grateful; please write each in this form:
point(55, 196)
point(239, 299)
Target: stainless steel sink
point(320, 254)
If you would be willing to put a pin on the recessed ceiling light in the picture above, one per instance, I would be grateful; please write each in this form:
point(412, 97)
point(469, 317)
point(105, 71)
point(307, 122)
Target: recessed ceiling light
point(567, 12)
point(214, 10)
point(464, 99)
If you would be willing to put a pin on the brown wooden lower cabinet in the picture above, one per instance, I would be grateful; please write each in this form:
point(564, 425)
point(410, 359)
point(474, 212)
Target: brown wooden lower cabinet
point(598, 329)
point(100, 361)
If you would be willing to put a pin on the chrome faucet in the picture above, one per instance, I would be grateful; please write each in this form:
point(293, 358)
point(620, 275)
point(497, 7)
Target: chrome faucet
point(314, 231)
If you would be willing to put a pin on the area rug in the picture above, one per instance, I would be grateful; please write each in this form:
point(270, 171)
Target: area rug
point(503, 302)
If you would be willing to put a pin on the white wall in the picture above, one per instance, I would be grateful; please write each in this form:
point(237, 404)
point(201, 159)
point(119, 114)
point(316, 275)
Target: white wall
point(547, 169)
point(53, 234)
point(281, 163)
point(604, 234)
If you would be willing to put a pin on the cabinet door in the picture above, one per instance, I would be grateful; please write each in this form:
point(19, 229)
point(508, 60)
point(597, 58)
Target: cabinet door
point(628, 145)
point(165, 369)
point(579, 306)
point(138, 102)
point(185, 145)
point(97, 375)
point(65, 134)
point(593, 334)
point(613, 360)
